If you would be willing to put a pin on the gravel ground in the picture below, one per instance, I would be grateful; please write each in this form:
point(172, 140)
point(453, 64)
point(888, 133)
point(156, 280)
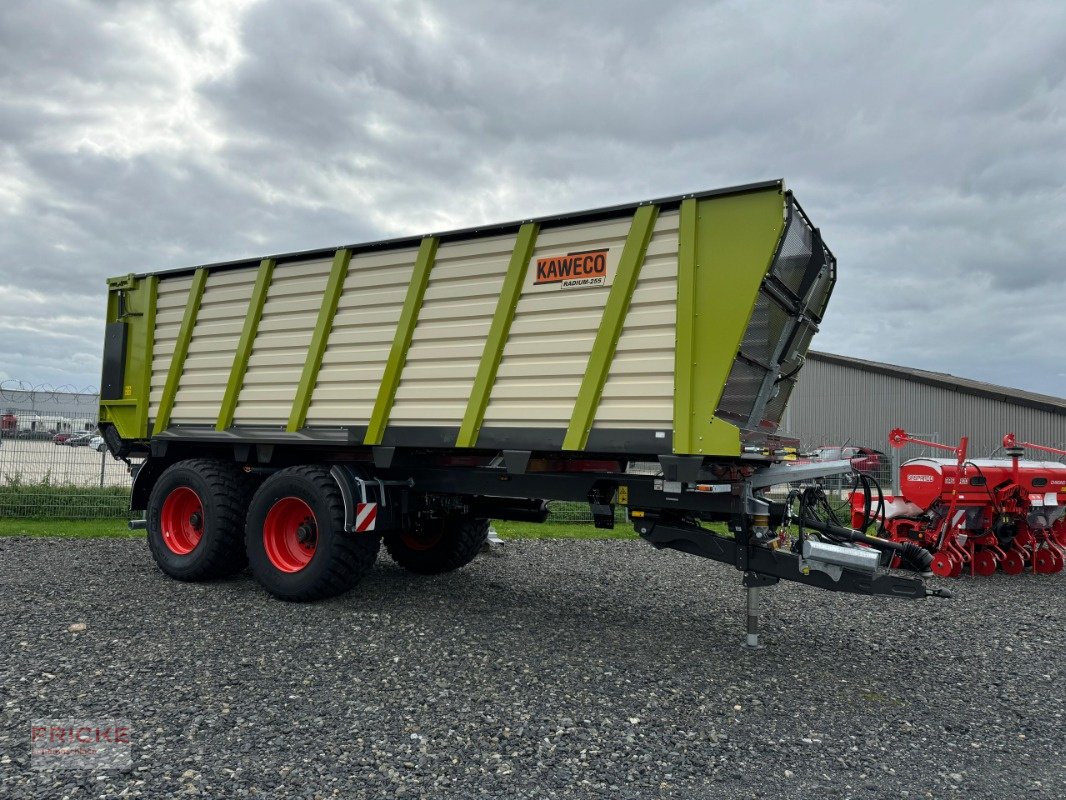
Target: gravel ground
point(557, 669)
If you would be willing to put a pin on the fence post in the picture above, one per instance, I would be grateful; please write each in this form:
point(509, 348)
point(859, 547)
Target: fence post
point(103, 463)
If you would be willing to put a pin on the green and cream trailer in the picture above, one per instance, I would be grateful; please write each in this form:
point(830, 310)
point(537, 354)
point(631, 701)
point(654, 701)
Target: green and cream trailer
point(295, 410)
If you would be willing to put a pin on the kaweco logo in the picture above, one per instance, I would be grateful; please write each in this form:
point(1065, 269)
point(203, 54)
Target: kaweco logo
point(587, 268)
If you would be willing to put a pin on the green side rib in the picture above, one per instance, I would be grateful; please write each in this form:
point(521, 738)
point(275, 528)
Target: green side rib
point(684, 363)
point(405, 329)
point(152, 285)
point(244, 346)
point(497, 338)
point(317, 348)
point(614, 315)
point(181, 350)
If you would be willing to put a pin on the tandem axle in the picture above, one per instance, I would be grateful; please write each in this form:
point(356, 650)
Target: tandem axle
point(412, 501)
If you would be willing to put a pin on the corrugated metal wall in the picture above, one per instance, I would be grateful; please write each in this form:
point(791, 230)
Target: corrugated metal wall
point(214, 338)
point(464, 288)
point(543, 363)
point(280, 348)
point(639, 392)
point(361, 337)
point(170, 307)
point(834, 404)
point(553, 330)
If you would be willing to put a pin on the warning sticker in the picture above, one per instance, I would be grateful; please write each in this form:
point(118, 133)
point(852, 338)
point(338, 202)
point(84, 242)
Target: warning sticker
point(586, 268)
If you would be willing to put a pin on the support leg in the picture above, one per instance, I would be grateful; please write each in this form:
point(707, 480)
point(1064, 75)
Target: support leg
point(755, 585)
point(754, 598)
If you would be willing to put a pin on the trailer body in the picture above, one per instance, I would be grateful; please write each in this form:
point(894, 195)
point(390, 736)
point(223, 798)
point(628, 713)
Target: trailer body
point(676, 326)
point(477, 374)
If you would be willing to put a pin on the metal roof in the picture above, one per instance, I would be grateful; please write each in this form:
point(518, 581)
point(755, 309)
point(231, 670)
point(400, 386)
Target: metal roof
point(942, 380)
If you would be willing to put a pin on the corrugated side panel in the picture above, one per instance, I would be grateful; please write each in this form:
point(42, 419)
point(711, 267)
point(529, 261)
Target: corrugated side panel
point(214, 341)
point(838, 404)
point(464, 287)
point(639, 392)
point(361, 337)
point(170, 308)
point(552, 333)
point(280, 349)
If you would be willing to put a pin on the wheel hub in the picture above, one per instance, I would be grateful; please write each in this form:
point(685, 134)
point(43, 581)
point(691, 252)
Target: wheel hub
point(181, 520)
point(290, 534)
point(305, 534)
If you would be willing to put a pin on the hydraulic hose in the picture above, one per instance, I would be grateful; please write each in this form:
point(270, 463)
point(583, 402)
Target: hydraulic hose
point(918, 557)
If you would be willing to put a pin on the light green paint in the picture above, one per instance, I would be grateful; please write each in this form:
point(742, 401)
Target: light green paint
point(405, 328)
point(181, 350)
point(244, 346)
point(130, 414)
point(614, 314)
point(309, 377)
point(497, 336)
point(726, 246)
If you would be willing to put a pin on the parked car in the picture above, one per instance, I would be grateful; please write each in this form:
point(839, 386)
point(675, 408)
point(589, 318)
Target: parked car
point(61, 438)
point(81, 439)
point(97, 444)
point(41, 435)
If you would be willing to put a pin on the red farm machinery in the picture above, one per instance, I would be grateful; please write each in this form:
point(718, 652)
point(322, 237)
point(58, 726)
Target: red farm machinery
point(974, 515)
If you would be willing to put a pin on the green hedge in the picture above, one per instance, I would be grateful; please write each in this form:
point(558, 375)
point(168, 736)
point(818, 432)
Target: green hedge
point(45, 500)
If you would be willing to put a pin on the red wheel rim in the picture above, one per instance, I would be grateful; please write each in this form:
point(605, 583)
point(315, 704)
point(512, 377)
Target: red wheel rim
point(943, 565)
point(984, 563)
point(420, 538)
point(1058, 562)
point(957, 565)
point(1013, 564)
point(290, 534)
point(1044, 562)
point(182, 521)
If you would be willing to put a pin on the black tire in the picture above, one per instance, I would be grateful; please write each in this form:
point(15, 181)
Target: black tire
point(339, 559)
point(223, 492)
point(438, 545)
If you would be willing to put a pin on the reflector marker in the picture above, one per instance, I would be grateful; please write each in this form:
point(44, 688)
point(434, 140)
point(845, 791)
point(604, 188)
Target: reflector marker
point(366, 517)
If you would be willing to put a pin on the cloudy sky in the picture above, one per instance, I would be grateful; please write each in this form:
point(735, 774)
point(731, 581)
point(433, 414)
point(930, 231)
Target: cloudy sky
point(927, 140)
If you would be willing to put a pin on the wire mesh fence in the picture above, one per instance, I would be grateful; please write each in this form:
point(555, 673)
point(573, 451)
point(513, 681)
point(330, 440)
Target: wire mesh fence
point(53, 462)
point(44, 476)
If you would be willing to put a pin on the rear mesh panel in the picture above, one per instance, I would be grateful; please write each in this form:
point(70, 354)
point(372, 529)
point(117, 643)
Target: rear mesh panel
point(741, 391)
point(760, 365)
point(794, 256)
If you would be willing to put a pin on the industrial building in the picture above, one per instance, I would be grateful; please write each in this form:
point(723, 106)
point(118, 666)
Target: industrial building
point(842, 400)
